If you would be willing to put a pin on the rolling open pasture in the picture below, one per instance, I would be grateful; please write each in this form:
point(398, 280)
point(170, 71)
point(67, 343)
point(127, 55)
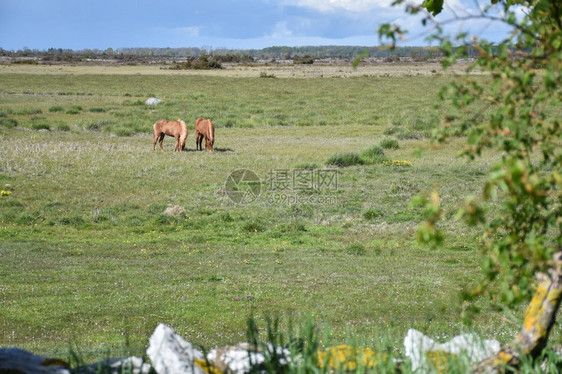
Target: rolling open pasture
point(89, 257)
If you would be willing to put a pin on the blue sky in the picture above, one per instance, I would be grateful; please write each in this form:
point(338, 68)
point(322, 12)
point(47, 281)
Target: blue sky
point(212, 24)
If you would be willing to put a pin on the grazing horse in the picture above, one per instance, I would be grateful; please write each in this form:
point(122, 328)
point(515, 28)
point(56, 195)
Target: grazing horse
point(177, 129)
point(204, 129)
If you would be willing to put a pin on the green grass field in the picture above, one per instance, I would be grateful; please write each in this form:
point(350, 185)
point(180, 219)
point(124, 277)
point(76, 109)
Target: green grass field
point(88, 256)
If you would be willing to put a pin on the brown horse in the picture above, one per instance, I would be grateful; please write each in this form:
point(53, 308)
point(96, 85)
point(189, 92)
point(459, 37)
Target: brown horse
point(177, 129)
point(204, 129)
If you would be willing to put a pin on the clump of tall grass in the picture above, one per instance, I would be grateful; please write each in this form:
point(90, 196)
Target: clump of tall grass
point(8, 123)
point(97, 125)
point(373, 155)
point(306, 166)
point(372, 214)
point(389, 143)
point(391, 130)
point(97, 110)
point(63, 127)
point(40, 126)
point(56, 109)
point(75, 109)
point(124, 131)
point(253, 226)
point(26, 111)
point(132, 103)
point(345, 159)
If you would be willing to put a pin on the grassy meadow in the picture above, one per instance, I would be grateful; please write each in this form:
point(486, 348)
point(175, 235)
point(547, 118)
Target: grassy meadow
point(89, 258)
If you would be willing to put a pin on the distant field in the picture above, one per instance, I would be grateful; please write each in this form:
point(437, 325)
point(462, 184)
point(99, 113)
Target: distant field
point(280, 70)
point(89, 257)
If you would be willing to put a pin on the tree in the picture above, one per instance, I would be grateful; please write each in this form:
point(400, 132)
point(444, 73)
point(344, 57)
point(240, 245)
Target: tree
point(522, 242)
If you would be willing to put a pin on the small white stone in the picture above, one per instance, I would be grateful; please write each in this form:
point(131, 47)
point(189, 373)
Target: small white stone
point(153, 101)
point(417, 344)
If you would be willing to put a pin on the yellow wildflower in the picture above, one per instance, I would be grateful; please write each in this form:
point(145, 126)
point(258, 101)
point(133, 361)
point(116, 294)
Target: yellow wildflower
point(398, 163)
point(347, 357)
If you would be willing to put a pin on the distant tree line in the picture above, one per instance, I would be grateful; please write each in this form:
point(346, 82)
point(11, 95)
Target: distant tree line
point(229, 55)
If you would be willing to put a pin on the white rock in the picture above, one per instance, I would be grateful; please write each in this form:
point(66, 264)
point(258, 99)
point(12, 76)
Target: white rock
point(171, 354)
point(416, 346)
point(15, 360)
point(153, 101)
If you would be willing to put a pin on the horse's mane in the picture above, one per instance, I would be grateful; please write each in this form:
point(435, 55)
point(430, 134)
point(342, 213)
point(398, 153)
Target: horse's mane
point(210, 131)
point(183, 127)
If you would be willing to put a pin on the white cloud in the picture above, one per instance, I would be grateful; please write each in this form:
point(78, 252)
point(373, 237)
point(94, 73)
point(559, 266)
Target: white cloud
point(329, 6)
point(191, 31)
point(281, 30)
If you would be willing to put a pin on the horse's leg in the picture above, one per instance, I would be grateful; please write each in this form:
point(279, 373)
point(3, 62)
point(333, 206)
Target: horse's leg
point(196, 140)
point(155, 140)
point(161, 140)
point(177, 147)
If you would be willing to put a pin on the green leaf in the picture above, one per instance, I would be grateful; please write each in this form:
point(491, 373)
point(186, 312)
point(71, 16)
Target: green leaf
point(549, 80)
point(433, 6)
